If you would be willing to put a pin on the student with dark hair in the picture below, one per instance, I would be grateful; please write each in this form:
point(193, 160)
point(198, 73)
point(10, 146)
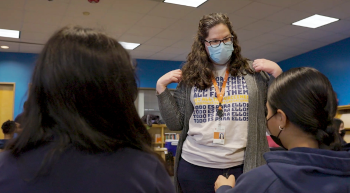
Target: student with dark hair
point(301, 106)
point(338, 124)
point(8, 128)
point(81, 130)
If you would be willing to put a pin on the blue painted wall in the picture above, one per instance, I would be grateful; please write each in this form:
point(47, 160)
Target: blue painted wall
point(332, 60)
point(149, 71)
point(17, 68)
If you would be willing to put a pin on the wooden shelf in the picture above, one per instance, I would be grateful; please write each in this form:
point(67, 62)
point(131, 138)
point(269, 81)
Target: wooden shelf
point(345, 107)
point(158, 143)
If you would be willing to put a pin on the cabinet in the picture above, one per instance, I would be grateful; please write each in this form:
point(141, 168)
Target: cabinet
point(160, 129)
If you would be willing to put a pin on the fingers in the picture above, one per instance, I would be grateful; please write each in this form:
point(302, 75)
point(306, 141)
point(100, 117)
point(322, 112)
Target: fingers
point(232, 177)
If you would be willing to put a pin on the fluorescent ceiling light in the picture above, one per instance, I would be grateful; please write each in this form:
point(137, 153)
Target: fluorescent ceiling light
point(190, 3)
point(315, 21)
point(9, 33)
point(4, 47)
point(129, 46)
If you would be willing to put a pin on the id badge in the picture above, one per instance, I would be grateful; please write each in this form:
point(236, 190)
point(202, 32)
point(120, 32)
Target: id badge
point(219, 135)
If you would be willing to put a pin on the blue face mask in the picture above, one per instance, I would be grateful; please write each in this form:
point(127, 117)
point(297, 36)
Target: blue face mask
point(221, 54)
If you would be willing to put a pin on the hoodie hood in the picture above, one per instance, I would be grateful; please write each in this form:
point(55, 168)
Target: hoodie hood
point(299, 169)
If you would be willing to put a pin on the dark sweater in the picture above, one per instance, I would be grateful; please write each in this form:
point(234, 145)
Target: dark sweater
point(297, 170)
point(126, 170)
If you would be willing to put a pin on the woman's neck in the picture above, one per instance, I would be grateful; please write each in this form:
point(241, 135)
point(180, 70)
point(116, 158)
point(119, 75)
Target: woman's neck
point(8, 136)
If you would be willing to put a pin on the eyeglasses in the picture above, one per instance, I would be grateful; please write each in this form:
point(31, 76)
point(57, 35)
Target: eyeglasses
point(216, 43)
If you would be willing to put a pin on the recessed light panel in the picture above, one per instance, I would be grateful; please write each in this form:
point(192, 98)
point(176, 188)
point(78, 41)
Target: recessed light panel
point(190, 3)
point(129, 46)
point(315, 21)
point(9, 33)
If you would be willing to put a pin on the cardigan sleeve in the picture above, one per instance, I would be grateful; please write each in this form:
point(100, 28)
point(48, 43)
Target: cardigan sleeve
point(172, 108)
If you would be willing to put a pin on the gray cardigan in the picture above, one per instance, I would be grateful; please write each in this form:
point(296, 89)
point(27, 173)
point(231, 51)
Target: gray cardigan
point(176, 112)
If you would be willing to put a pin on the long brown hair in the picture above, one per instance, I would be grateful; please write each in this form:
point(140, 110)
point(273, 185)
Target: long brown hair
point(197, 71)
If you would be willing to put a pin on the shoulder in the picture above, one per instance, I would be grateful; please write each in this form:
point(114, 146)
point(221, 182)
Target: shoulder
point(257, 179)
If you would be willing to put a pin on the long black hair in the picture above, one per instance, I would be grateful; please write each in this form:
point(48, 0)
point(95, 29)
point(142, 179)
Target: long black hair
point(82, 96)
point(307, 98)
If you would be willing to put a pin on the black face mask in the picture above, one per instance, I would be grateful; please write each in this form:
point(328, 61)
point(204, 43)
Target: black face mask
point(274, 138)
point(342, 133)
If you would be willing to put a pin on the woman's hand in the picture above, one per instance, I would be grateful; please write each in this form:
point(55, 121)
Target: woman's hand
point(221, 181)
point(268, 66)
point(170, 77)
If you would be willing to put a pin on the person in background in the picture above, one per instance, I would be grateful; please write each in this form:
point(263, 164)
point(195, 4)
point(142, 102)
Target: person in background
point(81, 130)
point(339, 125)
point(303, 127)
point(8, 128)
point(219, 91)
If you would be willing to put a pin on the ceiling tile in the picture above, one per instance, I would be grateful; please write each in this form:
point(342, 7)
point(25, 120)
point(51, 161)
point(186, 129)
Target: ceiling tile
point(181, 57)
point(341, 26)
point(316, 6)
point(292, 41)
point(116, 28)
point(263, 26)
point(279, 3)
point(224, 6)
point(290, 30)
point(268, 38)
point(144, 31)
point(42, 28)
point(314, 34)
point(183, 44)
point(47, 7)
point(34, 37)
point(270, 48)
point(136, 6)
point(189, 25)
point(12, 4)
point(334, 38)
point(288, 16)
point(197, 15)
point(41, 18)
point(176, 34)
point(170, 10)
point(10, 14)
point(341, 11)
point(160, 42)
point(121, 17)
point(248, 45)
point(141, 54)
point(254, 10)
point(240, 21)
point(13, 47)
point(278, 57)
point(15, 25)
point(145, 47)
point(30, 48)
point(175, 51)
point(157, 22)
point(105, 4)
point(244, 35)
point(133, 39)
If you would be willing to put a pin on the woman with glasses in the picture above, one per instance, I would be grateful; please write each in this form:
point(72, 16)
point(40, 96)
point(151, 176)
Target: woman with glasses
point(219, 105)
point(301, 105)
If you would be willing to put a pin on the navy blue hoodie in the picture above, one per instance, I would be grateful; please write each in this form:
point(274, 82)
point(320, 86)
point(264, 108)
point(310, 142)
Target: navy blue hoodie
point(297, 170)
point(126, 170)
